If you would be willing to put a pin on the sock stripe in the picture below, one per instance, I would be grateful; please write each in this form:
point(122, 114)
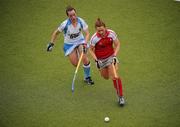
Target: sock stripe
point(87, 65)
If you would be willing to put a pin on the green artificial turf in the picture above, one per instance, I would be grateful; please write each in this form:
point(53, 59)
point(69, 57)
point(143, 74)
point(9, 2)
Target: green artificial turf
point(35, 86)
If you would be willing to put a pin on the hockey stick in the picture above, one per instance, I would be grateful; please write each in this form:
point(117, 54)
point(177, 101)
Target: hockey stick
point(116, 76)
point(79, 62)
point(114, 70)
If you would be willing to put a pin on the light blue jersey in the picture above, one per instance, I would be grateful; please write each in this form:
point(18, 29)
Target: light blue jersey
point(73, 36)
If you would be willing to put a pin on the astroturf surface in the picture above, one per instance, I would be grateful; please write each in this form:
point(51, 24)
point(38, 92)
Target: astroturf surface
point(35, 86)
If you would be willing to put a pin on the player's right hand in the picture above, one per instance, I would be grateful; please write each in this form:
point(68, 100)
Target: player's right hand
point(50, 46)
point(98, 63)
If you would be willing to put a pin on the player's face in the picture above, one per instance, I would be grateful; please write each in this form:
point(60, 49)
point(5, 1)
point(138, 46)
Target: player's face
point(72, 15)
point(101, 30)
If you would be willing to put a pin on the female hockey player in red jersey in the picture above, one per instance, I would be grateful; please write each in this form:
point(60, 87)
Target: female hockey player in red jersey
point(104, 47)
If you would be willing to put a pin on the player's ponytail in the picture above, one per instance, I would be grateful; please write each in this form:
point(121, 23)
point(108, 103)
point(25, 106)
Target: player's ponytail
point(99, 23)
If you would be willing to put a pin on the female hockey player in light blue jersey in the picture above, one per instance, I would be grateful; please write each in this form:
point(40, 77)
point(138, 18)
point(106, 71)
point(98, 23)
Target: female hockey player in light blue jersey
point(74, 41)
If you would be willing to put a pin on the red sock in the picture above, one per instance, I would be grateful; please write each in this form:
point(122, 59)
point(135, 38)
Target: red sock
point(118, 86)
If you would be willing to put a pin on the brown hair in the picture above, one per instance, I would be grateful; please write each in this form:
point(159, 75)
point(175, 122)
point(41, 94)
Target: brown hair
point(69, 8)
point(99, 23)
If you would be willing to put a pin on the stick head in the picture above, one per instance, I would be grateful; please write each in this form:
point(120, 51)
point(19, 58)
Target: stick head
point(72, 89)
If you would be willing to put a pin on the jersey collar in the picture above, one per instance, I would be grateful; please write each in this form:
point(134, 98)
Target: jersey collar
point(106, 34)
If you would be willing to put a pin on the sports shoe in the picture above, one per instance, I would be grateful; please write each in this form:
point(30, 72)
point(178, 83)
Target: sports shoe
point(89, 81)
point(121, 101)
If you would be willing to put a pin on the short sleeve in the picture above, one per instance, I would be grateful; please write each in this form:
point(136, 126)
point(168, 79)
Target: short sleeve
point(62, 26)
point(113, 35)
point(84, 24)
point(93, 40)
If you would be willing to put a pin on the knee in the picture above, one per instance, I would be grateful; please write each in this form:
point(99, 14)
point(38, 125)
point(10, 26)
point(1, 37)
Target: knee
point(74, 64)
point(113, 77)
point(105, 77)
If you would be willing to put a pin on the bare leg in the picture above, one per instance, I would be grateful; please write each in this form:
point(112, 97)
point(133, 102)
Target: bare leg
point(73, 57)
point(111, 72)
point(85, 59)
point(104, 73)
point(86, 66)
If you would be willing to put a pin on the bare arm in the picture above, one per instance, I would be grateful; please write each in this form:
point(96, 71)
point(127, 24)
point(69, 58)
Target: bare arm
point(86, 35)
point(92, 50)
point(54, 36)
point(53, 39)
point(116, 47)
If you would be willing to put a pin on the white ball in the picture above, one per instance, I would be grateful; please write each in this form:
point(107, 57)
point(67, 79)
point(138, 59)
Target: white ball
point(106, 119)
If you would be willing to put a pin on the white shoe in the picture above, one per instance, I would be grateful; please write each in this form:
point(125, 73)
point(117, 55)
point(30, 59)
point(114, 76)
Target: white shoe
point(121, 101)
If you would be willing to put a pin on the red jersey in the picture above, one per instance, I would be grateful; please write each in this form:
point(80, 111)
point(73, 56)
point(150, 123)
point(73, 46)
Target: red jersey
point(103, 45)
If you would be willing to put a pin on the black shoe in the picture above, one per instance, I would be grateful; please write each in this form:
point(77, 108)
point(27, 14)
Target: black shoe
point(89, 81)
point(121, 101)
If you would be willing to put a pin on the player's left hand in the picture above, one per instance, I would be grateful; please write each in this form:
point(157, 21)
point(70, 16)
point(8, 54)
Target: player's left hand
point(115, 60)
